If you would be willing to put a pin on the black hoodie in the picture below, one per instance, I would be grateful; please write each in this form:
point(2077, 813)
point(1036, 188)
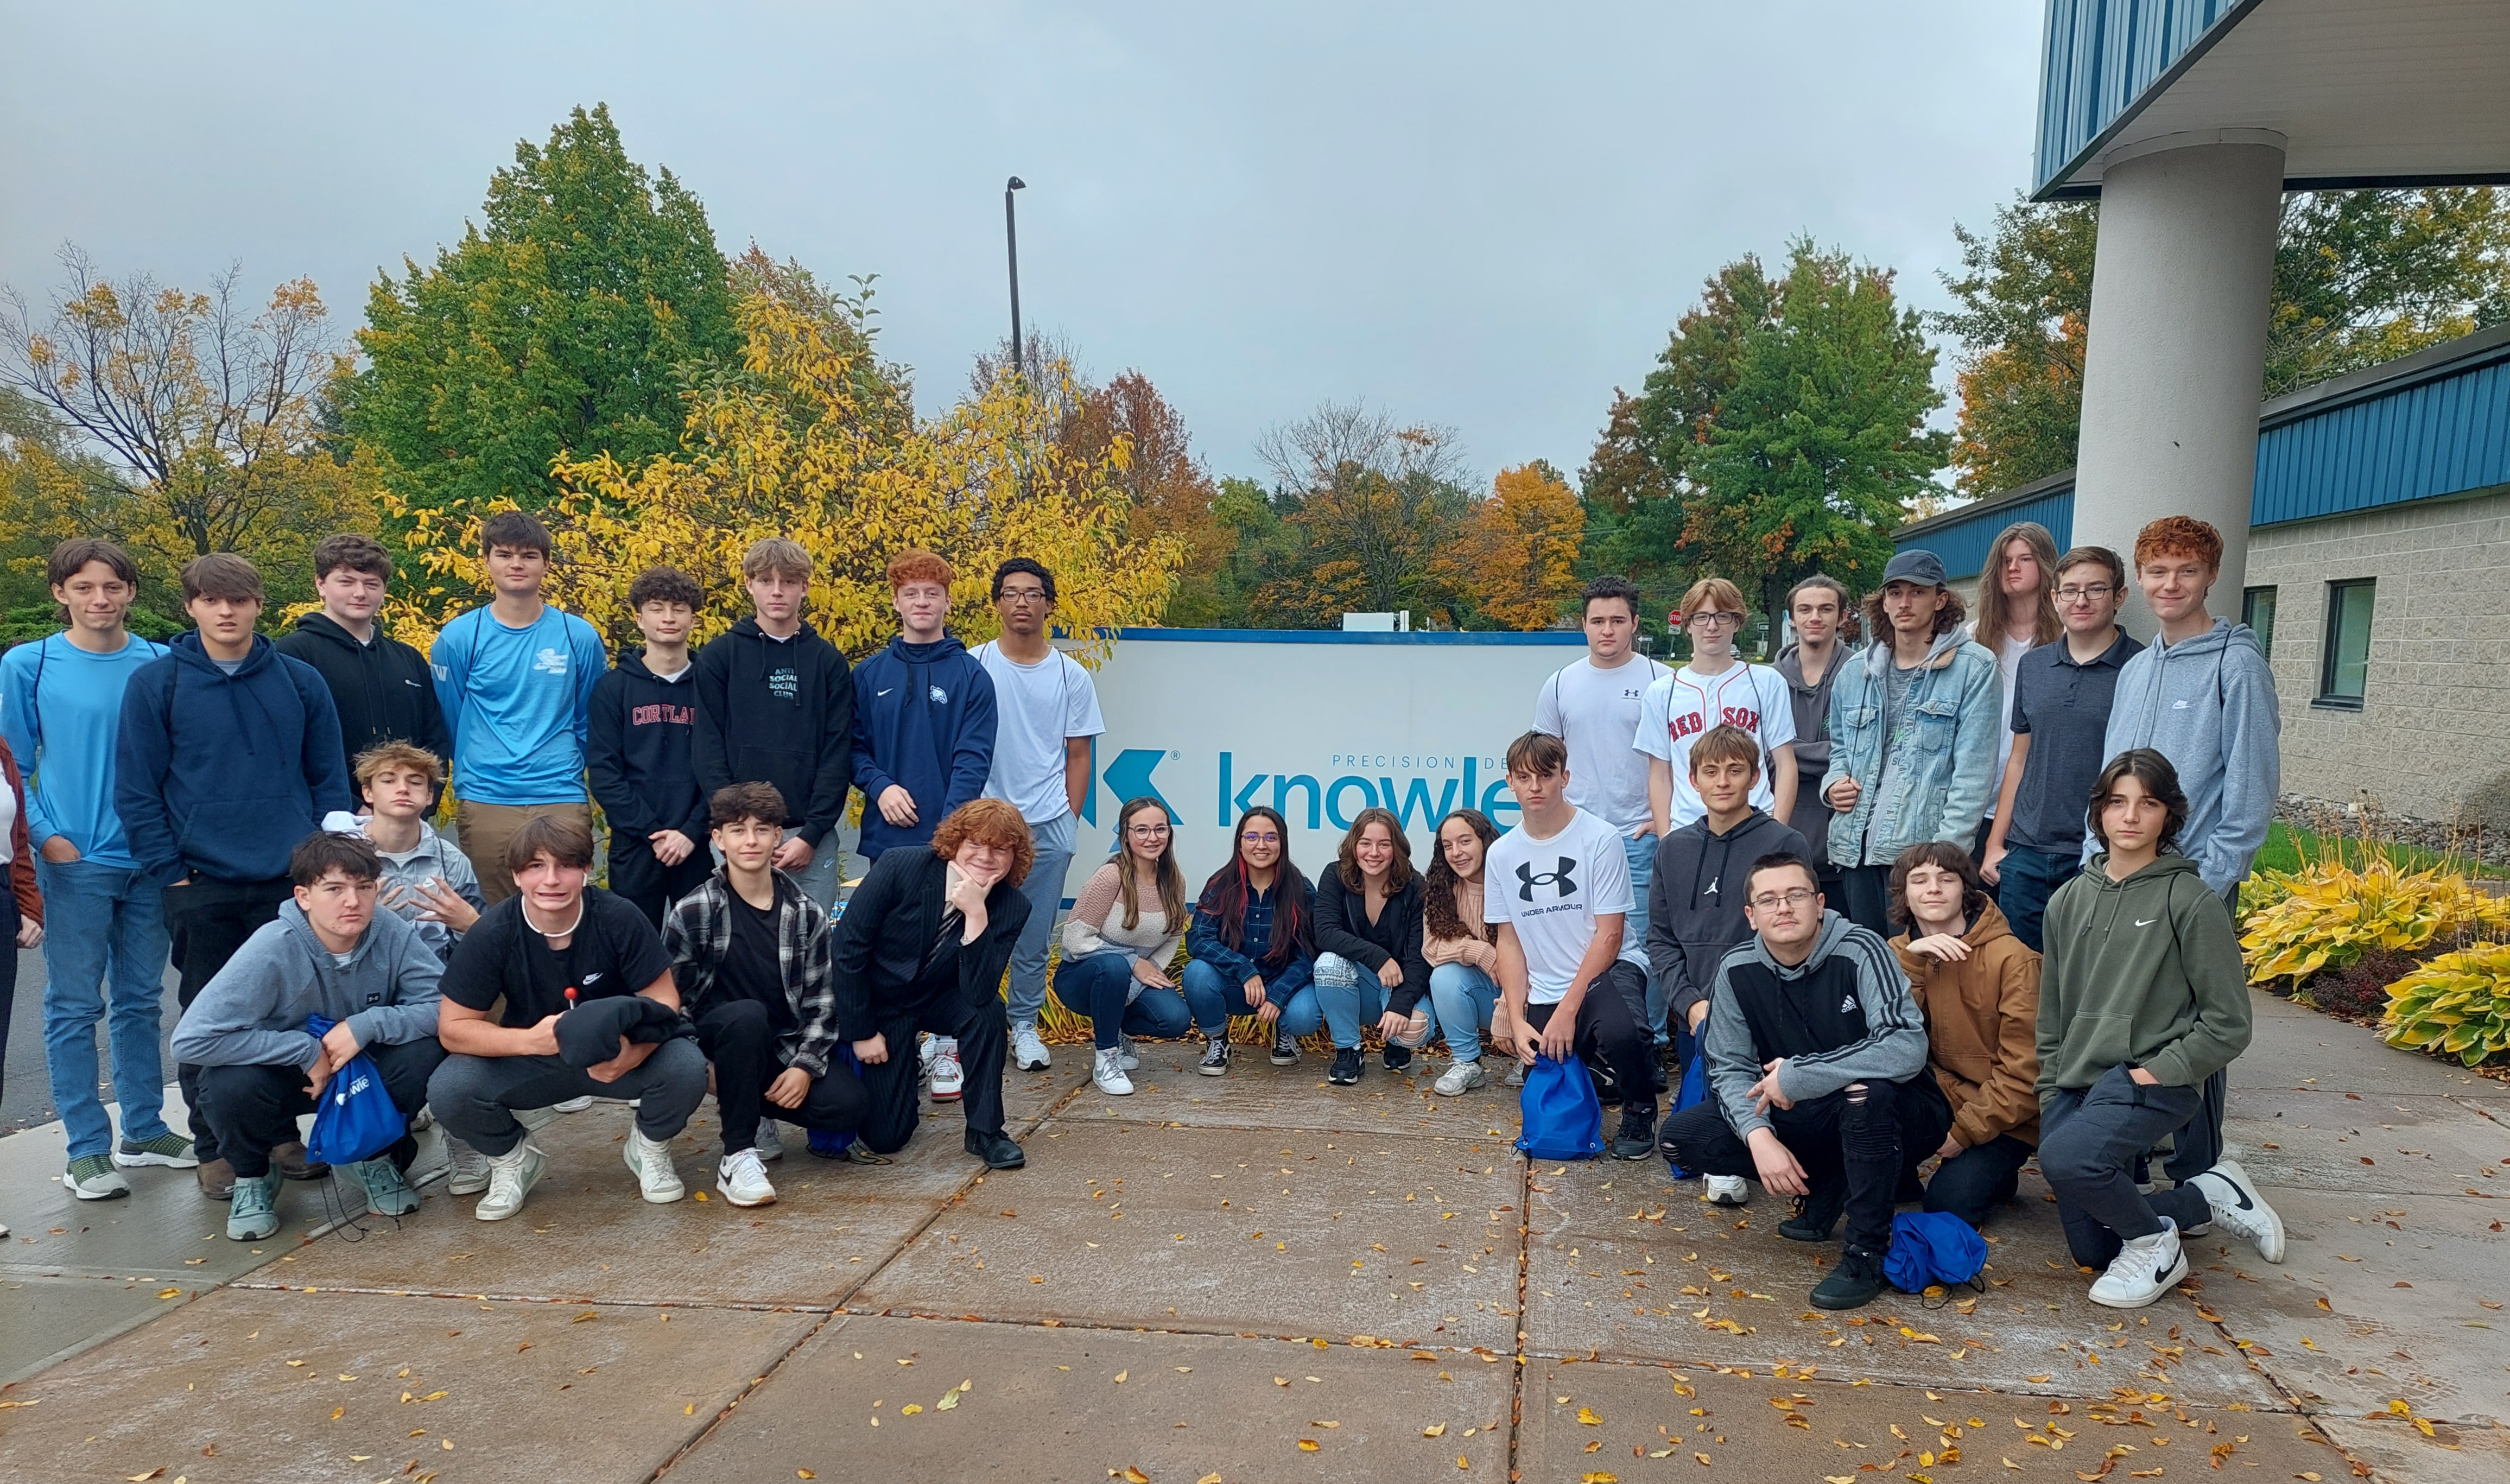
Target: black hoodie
point(782, 712)
point(381, 690)
point(1695, 901)
point(639, 749)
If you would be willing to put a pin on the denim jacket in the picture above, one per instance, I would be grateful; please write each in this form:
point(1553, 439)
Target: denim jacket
point(1941, 785)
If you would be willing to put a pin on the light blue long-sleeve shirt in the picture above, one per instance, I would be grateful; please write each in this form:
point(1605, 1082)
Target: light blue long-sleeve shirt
point(60, 709)
point(518, 702)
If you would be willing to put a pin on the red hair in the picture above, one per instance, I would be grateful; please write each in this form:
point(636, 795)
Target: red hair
point(2180, 536)
point(917, 565)
point(989, 822)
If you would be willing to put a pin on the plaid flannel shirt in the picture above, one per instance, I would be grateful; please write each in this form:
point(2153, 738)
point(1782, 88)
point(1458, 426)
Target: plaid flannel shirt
point(697, 935)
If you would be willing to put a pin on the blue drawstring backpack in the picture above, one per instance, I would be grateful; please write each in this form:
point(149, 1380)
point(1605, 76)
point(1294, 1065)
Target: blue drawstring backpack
point(1693, 1092)
point(823, 1143)
point(355, 1118)
point(1563, 1119)
point(1930, 1247)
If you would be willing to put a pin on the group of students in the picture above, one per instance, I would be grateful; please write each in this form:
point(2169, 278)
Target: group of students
point(258, 810)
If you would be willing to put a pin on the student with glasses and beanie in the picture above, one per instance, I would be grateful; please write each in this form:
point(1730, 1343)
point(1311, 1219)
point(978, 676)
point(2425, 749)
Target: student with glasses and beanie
point(1253, 945)
point(1124, 932)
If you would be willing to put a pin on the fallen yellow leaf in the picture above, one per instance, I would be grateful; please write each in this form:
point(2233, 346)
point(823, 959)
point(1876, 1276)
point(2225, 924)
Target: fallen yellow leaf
point(1439, 1430)
point(1132, 1476)
point(1586, 1416)
point(1120, 1376)
point(910, 1409)
point(1309, 1445)
point(804, 1473)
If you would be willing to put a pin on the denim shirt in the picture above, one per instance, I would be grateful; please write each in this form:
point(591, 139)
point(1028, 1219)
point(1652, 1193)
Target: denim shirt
point(1941, 782)
point(1206, 943)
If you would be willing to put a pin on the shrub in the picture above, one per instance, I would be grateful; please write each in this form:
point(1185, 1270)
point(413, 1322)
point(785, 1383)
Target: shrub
point(2457, 1004)
point(2331, 914)
point(2358, 992)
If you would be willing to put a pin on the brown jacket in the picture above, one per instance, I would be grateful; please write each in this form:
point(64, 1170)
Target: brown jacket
point(21, 855)
point(1982, 1029)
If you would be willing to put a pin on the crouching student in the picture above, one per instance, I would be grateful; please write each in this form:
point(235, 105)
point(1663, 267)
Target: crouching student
point(922, 947)
point(428, 884)
point(1253, 945)
point(1124, 932)
point(1979, 988)
point(329, 953)
point(1460, 948)
point(1817, 1059)
point(2134, 1018)
point(560, 948)
point(1369, 967)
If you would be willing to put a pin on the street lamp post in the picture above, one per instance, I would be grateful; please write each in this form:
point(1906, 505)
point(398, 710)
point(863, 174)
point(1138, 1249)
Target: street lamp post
point(1011, 240)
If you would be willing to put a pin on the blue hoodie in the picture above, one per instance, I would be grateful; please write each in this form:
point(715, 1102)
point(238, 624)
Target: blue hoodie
point(2208, 704)
point(221, 775)
point(61, 712)
point(924, 719)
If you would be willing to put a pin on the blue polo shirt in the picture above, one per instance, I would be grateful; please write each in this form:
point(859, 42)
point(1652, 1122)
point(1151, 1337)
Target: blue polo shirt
point(2065, 709)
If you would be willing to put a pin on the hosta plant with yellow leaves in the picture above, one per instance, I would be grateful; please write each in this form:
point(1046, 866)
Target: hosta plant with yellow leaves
point(2457, 1004)
point(2330, 914)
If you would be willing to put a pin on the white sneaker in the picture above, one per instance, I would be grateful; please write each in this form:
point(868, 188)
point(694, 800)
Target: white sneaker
point(770, 1144)
point(534, 1120)
point(1729, 1190)
point(742, 1179)
point(1458, 1080)
point(650, 1160)
point(1028, 1053)
point(466, 1168)
point(1108, 1072)
point(2236, 1204)
point(2145, 1269)
point(947, 1080)
point(575, 1104)
point(511, 1177)
point(1125, 1044)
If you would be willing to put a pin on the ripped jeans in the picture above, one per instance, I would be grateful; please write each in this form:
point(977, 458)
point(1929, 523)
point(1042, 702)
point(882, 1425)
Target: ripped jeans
point(1865, 1137)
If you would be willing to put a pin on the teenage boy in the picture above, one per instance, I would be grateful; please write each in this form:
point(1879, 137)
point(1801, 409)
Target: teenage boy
point(2062, 695)
point(1817, 609)
point(329, 953)
point(1046, 713)
point(105, 955)
point(1817, 1059)
point(1695, 908)
point(426, 883)
point(750, 949)
point(637, 744)
point(1559, 891)
point(379, 685)
point(555, 951)
point(514, 679)
point(776, 705)
point(228, 754)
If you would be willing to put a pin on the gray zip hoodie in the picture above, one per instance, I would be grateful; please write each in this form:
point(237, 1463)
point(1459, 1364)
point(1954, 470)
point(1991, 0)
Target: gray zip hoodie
point(252, 1012)
point(1895, 1047)
point(428, 860)
point(2208, 704)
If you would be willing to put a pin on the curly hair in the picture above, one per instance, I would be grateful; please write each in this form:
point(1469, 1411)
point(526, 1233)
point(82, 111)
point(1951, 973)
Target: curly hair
point(917, 565)
point(2180, 536)
point(1878, 622)
point(989, 822)
point(1439, 882)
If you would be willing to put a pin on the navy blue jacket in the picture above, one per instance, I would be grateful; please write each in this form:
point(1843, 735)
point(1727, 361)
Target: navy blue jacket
point(641, 734)
point(924, 719)
point(220, 776)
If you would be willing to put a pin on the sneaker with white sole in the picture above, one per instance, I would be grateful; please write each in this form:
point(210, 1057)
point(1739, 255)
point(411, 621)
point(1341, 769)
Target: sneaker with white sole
point(2240, 1210)
point(1285, 1050)
point(1028, 1050)
point(466, 1168)
point(388, 1193)
point(1107, 1070)
point(575, 1104)
point(511, 1177)
point(742, 1180)
point(1125, 1048)
point(649, 1162)
point(2145, 1269)
point(1729, 1190)
point(535, 1120)
point(1215, 1057)
point(170, 1150)
point(1462, 1078)
point(92, 1177)
point(948, 1080)
point(1515, 1076)
point(254, 1214)
point(768, 1143)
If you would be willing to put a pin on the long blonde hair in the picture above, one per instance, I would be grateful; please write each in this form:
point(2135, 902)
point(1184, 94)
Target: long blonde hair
point(1990, 630)
point(1171, 880)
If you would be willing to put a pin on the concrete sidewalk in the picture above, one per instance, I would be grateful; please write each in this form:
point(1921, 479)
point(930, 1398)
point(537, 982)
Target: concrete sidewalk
point(1261, 1278)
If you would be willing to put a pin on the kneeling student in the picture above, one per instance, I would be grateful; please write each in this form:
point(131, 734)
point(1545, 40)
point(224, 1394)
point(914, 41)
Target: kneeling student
point(1979, 987)
point(2133, 1020)
point(750, 950)
point(1817, 1058)
point(329, 953)
point(558, 948)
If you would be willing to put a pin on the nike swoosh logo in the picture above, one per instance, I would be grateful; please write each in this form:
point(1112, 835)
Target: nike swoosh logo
point(588, 978)
point(883, 693)
point(2146, 922)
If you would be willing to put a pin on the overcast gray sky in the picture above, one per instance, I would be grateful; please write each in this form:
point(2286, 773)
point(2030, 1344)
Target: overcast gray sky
point(1480, 215)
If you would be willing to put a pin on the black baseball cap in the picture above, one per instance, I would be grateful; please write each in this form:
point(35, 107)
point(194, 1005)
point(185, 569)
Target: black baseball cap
point(1914, 566)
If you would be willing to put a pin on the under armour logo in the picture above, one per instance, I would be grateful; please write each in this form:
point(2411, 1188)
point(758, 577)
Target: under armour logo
point(1564, 878)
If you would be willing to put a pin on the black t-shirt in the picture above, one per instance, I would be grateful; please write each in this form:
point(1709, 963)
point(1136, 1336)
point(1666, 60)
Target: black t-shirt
point(613, 951)
point(752, 967)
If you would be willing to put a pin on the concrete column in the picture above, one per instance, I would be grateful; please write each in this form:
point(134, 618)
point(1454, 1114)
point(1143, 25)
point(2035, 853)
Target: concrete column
point(2175, 360)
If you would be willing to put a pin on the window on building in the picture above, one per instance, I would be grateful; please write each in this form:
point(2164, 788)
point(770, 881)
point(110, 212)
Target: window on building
point(2345, 662)
point(2258, 610)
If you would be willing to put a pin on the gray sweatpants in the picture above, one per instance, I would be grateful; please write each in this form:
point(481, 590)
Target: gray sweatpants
point(475, 1098)
point(2090, 1139)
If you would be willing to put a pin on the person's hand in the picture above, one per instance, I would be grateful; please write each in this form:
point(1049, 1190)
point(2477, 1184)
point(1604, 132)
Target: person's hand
point(1942, 947)
point(793, 855)
point(1842, 795)
point(967, 894)
point(615, 1068)
point(543, 1038)
point(872, 1050)
point(1255, 991)
point(1986, 869)
point(30, 933)
point(670, 847)
point(1698, 1017)
point(790, 1087)
point(441, 903)
point(1952, 1146)
point(58, 850)
point(1560, 1035)
point(1766, 1093)
point(340, 1044)
point(2142, 1077)
point(1780, 1174)
point(1267, 1012)
point(325, 1064)
point(1151, 974)
point(1393, 1024)
point(897, 806)
point(1391, 972)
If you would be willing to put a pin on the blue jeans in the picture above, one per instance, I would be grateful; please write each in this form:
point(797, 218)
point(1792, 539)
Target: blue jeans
point(1642, 857)
point(1213, 998)
point(2025, 880)
point(104, 959)
point(1097, 986)
point(1044, 888)
point(1464, 998)
point(1351, 995)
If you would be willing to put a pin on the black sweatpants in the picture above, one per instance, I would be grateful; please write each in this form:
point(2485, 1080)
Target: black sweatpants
point(649, 886)
point(255, 1108)
point(1865, 1138)
point(1612, 1033)
point(207, 919)
point(1974, 1183)
point(2090, 1139)
point(894, 1087)
point(736, 1035)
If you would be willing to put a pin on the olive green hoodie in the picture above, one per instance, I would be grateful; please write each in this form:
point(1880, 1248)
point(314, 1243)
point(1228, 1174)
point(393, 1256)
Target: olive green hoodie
point(2144, 973)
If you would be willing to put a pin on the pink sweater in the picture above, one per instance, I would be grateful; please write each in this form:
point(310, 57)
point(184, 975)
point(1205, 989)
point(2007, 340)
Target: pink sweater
point(1476, 951)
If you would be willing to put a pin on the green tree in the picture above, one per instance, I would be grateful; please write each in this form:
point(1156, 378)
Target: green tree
point(2025, 295)
point(559, 330)
point(1374, 505)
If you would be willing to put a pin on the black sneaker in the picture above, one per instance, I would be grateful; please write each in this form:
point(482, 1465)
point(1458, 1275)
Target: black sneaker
point(1348, 1064)
point(1855, 1282)
point(1636, 1139)
point(1285, 1050)
point(1215, 1058)
point(1397, 1057)
point(1815, 1214)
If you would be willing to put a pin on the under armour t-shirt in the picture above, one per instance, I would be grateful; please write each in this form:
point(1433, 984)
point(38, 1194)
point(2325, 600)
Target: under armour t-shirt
point(1680, 708)
point(1593, 710)
point(1552, 891)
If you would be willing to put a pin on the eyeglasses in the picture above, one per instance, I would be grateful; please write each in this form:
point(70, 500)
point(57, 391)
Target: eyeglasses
point(1023, 595)
point(1771, 901)
point(1266, 838)
point(1715, 617)
point(1146, 831)
point(2091, 595)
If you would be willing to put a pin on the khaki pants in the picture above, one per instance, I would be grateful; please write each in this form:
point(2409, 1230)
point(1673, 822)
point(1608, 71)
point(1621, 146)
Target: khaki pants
point(485, 829)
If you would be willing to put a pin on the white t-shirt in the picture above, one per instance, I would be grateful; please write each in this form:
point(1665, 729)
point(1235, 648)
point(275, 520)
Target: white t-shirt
point(2008, 661)
point(1680, 708)
point(8, 824)
point(1593, 711)
point(1552, 891)
point(1037, 707)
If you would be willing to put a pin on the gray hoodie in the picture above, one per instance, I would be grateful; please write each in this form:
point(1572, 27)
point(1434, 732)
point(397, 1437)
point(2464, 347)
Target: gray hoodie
point(252, 1012)
point(1895, 1047)
point(430, 859)
point(1811, 697)
point(2208, 704)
